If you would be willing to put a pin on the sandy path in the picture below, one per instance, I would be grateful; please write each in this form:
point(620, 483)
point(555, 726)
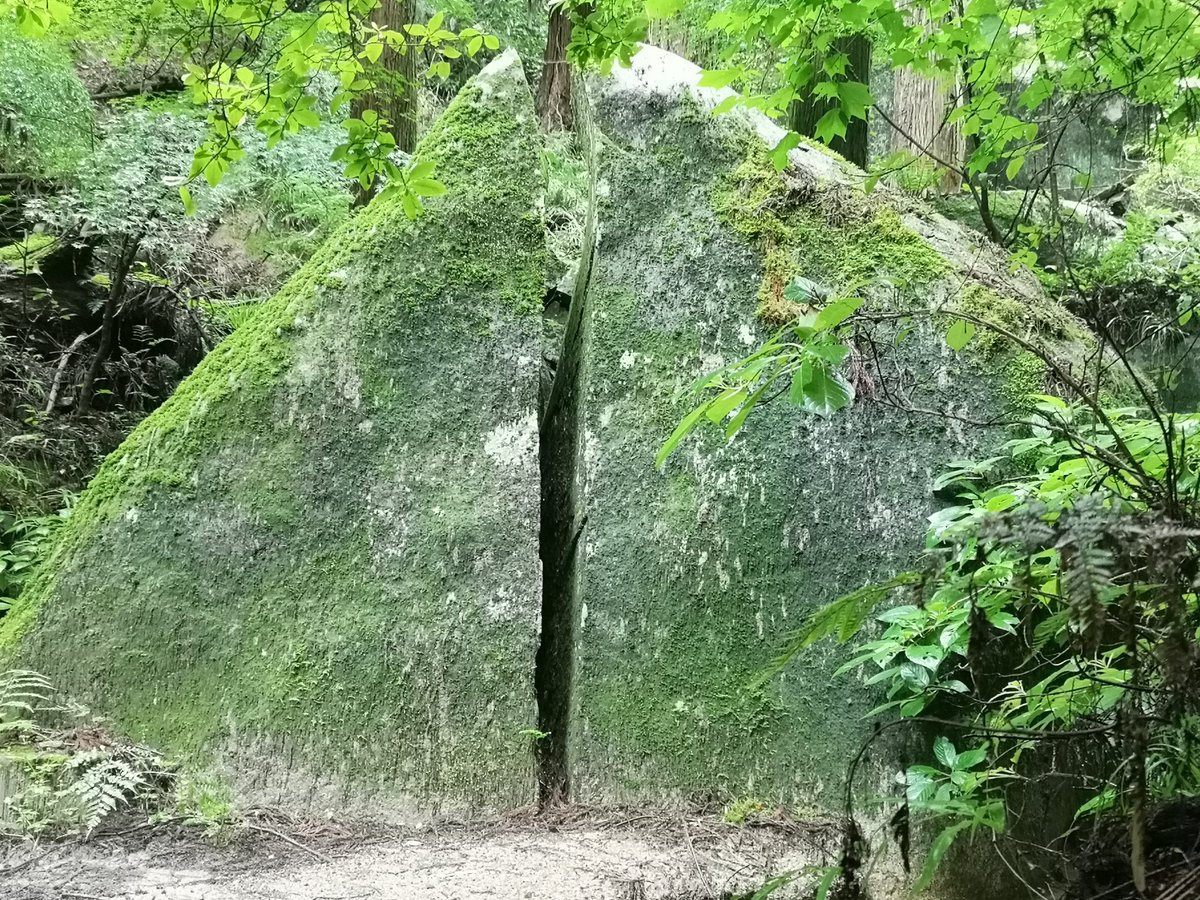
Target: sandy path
point(696, 862)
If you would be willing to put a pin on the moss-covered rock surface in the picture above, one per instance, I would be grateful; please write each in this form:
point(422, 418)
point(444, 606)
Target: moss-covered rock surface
point(694, 575)
point(315, 568)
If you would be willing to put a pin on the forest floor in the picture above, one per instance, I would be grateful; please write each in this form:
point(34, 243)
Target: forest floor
point(579, 857)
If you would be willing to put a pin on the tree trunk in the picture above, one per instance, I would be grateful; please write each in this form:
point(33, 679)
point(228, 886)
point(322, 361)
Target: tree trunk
point(108, 326)
point(920, 108)
point(394, 96)
point(554, 88)
point(804, 114)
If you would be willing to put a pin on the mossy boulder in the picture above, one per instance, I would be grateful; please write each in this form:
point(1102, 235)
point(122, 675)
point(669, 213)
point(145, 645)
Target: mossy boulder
point(693, 575)
point(316, 567)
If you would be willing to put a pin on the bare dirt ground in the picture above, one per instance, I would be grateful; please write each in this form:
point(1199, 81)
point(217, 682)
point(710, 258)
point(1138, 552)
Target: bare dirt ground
point(579, 856)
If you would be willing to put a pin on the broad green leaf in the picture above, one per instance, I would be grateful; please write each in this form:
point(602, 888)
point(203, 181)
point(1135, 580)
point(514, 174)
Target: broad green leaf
point(779, 156)
point(836, 313)
point(800, 379)
point(719, 78)
point(971, 758)
point(411, 205)
point(830, 126)
point(827, 392)
point(959, 334)
point(663, 9)
point(427, 187)
point(855, 15)
point(856, 99)
point(944, 752)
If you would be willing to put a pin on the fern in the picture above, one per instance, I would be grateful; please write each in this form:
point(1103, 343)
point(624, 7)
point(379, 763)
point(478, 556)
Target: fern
point(22, 694)
point(59, 786)
point(842, 619)
point(103, 786)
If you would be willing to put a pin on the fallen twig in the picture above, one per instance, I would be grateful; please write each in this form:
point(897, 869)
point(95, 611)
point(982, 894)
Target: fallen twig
point(292, 841)
point(12, 870)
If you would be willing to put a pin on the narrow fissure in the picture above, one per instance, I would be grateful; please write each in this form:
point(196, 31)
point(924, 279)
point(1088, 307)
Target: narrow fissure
point(563, 520)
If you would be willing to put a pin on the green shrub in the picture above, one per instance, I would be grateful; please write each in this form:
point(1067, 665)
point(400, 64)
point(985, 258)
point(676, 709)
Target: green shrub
point(46, 117)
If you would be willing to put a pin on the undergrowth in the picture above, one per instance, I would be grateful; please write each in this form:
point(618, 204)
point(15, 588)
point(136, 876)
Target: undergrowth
point(61, 772)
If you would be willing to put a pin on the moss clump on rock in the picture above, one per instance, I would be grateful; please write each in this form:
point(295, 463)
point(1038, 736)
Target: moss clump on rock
point(315, 567)
point(26, 255)
point(833, 235)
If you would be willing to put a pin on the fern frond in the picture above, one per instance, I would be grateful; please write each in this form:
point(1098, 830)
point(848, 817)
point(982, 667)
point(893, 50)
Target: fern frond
point(842, 619)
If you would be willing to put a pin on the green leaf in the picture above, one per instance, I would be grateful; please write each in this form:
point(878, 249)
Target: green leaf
point(944, 752)
point(801, 290)
point(937, 850)
point(411, 205)
point(836, 313)
point(307, 118)
point(725, 403)
point(856, 99)
point(189, 205)
point(727, 105)
point(855, 15)
point(827, 392)
point(736, 423)
point(779, 156)
point(682, 430)
point(719, 78)
point(830, 126)
point(491, 42)
point(427, 187)
point(926, 655)
point(800, 379)
point(971, 758)
point(663, 9)
point(959, 334)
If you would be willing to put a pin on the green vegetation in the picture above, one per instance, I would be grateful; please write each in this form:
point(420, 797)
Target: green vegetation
point(363, 481)
point(46, 121)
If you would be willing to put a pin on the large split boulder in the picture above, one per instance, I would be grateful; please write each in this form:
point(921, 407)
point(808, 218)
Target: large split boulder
point(316, 566)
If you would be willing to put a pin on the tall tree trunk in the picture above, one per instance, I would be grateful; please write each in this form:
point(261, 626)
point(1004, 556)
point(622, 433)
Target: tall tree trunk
point(554, 88)
point(394, 96)
point(804, 114)
point(920, 108)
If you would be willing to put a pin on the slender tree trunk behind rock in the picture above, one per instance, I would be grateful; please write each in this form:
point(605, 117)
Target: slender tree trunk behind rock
point(804, 114)
point(395, 75)
point(920, 108)
point(109, 322)
point(554, 88)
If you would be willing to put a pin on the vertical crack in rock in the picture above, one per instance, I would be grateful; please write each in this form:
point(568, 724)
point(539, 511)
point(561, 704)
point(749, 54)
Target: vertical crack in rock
point(563, 517)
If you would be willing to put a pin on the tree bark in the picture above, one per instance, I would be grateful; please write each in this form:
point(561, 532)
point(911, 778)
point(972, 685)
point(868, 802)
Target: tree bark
point(554, 88)
point(394, 96)
point(108, 326)
point(920, 108)
point(804, 114)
